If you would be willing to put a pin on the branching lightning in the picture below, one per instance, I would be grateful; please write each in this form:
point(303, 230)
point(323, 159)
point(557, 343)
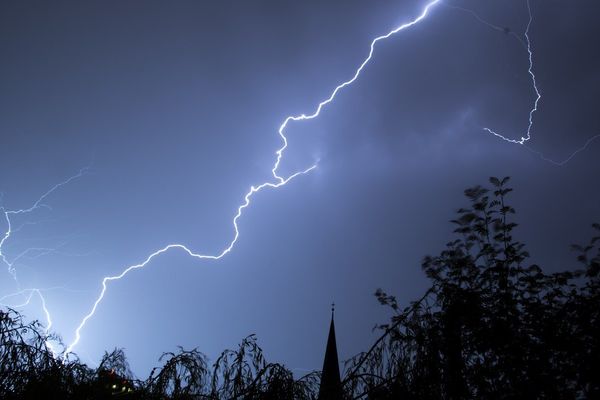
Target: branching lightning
point(279, 180)
point(39, 203)
point(527, 135)
point(527, 46)
point(247, 198)
point(29, 295)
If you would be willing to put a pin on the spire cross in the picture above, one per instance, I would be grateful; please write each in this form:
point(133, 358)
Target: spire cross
point(332, 307)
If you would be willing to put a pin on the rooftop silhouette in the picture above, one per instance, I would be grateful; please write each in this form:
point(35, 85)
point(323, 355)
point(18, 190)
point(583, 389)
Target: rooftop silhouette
point(331, 387)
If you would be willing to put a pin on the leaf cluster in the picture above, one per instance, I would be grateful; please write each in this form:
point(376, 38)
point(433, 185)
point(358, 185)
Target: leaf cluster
point(491, 325)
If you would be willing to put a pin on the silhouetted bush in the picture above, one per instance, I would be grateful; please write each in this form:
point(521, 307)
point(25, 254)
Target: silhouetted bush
point(490, 326)
point(29, 370)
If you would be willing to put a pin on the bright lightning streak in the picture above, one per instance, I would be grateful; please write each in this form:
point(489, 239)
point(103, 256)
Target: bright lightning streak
point(31, 292)
point(11, 264)
point(247, 198)
point(280, 181)
point(537, 92)
point(316, 113)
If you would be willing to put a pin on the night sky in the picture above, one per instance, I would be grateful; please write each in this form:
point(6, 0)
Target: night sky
point(175, 107)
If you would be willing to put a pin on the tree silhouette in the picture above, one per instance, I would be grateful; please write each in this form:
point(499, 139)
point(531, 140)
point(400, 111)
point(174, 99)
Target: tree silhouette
point(490, 326)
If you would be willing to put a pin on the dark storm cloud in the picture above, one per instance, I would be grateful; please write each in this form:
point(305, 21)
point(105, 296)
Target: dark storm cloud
point(179, 105)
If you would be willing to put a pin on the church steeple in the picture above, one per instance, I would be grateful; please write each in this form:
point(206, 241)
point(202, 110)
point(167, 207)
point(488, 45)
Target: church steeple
point(331, 387)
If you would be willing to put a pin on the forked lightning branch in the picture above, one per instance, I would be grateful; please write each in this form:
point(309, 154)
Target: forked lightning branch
point(277, 181)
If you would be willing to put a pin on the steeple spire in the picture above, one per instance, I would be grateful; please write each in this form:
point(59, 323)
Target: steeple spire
point(331, 387)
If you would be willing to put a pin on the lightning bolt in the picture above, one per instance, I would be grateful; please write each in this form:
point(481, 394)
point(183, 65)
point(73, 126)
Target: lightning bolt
point(30, 293)
point(39, 203)
point(279, 180)
point(527, 46)
point(527, 135)
point(247, 198)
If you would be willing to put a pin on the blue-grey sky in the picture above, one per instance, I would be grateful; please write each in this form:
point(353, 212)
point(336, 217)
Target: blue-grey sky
point(175, 107)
